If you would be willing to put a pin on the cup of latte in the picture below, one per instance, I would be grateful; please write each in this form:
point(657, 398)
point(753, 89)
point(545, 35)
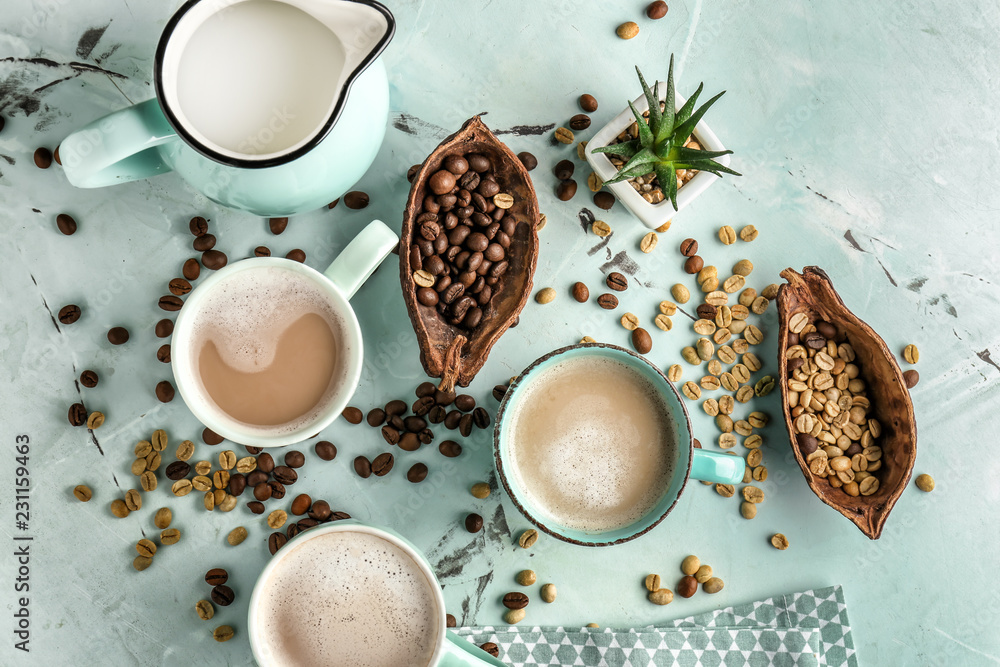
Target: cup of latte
point(594, 446)
point(346, 593)
point(268, 351)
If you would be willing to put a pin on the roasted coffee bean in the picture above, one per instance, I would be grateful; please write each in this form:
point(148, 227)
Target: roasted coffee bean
point(481, 418)
point(617, 281)
point(204, 242)
point(275, 541)
point(223, 595)
point(255, 506)
point(214, 259)
point(178, 470)
point(604, 200)
point(579, 122)
point(807, 443)
point(164, 391)
point(191, 269)
point(66, 224)
point(216, 576)
point(409, 442)
point(588, 103)
point(473, 523)
point(390, 435)
point(499, 391)
point(491, 648)
point(465, 425)
point(528, 160)
point(89, 379)
point(294, 459)
point(414, 424)
point(363, 467)
point(580, 292)
point(515, 600)
point(163, 353)
point(356, 200)
point(237, 484)
point(352, 415)
point(425, 389)
point(43, 158)
point(450, 448)
point(277, 225)
point(706, 311)
point(382, 464)
point(641, 341)
point(564, 170)
point(262, 491)
point(306, 524)
point(164, 328)
point(687, 586)
point(198, 226)
point(417, 473)
point(170, 302)
point(444, 398)
point(296, 255)
point(465, 402)
point(451, 419)
point(256, 477)
point(277, 489)
point(320, 510)
point(694, 264)
point(324, 449)
point(396, 422)
point(395, 407)
point(422, 406)
point(566, 190)
point(607, 301)
point(292, 530)
point(262, 251)
point(301, 504)
point(118, 335)
point(411, 173)
point(69, 314)
point(265, 462)
point(689, 247)
point(285, 475)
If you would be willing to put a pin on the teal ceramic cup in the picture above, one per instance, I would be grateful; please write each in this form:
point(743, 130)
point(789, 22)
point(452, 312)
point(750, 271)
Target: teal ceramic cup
point(691, 463)
point(450, 650)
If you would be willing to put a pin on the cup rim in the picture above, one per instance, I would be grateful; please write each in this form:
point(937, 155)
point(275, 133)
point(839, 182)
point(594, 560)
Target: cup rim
point(355, 526)
point(194, 398)
point(498, 462)
point(174, 118)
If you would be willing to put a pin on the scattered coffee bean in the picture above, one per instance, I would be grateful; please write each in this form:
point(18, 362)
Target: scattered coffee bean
point(579, 122)
point(262, 251)
point(375, 417)
point(515, 600)
point(325, 450)
point(417, 473)
point(911, 354)
point(548, 593)
point(690, 565)
point(277, 225)
point(713, 585)
point(256, 506)
point(779, 541)
point(223, 595)
point(191, 269)
point(588, 103)
point(296, 255)
point(689, 247)
point(89, 379)
point(163, 353)
point(301, 504)
point(164, 391)
point(66, 224)
point(352, 415)
point(450, 448)
point(525, 577)
point(43, 158)
point(83, 493)
point(661, 596)
point(687, 586)
point(356, 200)
point(748, 233)
point(656, 10)
point(69, 314)
point(145, 548)
point(648, 242)
point(295, 459)
point(275, 541)
point(164, 328)
point(473, 523)
point(617, 281)
point(204, 243)
point(545, 295)
point(480, 490)
point(528, 160)
point(491, 648)
point(382, 464)
point(118, 335)
point(925, 483)
point(210, 437)
point(214, 259)
point(628, 30)
point(604, 200)
point(204, 609)
point(563, 135)
point(163, 517)
point(641, 341)
point(566, 190)
point(911, 378)
point(95, 420)
point(601, 228)
point(363, 467)
point(727, 235)
point(198, 226)
point(564, 170)
point(223, 633)
point(748, 510)
point(133, 500)
point(119, 508)
point(450, 621)
point(607, 301)
point(170, 302)
point(694, 264)
point(528, 538)
point(141, 563)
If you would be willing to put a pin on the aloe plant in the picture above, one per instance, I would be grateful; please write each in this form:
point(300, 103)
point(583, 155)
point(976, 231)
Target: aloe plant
point(659, 147)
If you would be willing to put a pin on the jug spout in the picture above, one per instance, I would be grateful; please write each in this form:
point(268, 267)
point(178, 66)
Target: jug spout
point(363, 27)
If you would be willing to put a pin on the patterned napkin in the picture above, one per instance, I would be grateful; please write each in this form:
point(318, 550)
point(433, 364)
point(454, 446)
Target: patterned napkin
point(808, 629)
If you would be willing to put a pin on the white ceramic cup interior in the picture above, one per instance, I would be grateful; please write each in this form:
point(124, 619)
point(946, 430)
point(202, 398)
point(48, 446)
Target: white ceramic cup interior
point(184, 361)
point(262, 653)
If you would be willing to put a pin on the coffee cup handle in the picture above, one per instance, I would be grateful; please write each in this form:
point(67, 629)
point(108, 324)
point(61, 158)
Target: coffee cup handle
point(459, 652)
point(117, 148)
point(361, 257)
point(716, 467)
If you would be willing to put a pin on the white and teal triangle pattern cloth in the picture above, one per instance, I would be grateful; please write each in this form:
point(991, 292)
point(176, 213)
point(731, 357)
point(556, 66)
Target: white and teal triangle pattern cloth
point(807, 629)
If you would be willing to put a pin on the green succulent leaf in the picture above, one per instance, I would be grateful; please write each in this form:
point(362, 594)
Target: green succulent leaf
point(667, 118)
point(645, 134)
point(666, 175)
point(691, 154)
point(686, 127)
point(626, 149)
point(643, 157)
point(652, 99)
point(688, 107)
point(626, 174)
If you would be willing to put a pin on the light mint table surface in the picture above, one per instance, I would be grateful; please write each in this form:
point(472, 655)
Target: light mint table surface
point(867, 139)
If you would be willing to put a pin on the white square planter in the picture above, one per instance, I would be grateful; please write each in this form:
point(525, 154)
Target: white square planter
point(651, 215)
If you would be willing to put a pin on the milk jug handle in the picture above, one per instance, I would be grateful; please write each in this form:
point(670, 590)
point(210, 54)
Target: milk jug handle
point(459, 652)
point(117, 148)
point(361, 257)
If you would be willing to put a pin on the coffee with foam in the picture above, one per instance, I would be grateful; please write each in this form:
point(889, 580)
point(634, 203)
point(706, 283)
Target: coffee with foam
point(267, 347)
point(592, 444)
point(348, 598)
